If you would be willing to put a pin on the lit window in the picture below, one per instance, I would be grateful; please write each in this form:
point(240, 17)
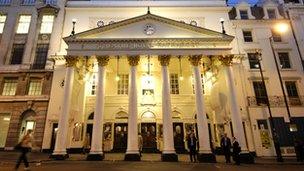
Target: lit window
point(9, 87)
point(253, 60)
point(271, 14)
point(276, 37)
point(35, 87)
point(24, 24)
point(2, 22)
point(94, 84)
point(123, 84)
point(284, 60)
point(174, 84)
point(244, 14)
point(260, 92)
point(247, 36)
point(47, 24)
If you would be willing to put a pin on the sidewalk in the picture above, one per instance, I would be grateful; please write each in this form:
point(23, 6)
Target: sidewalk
point(9, 157)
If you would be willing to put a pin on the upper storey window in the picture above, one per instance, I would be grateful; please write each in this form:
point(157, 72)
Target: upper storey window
point(47, 24)
point(271, 13)
point(2, 23)
point(247, 34)
point(24, 24)
point(244, 14)
point(5, 2)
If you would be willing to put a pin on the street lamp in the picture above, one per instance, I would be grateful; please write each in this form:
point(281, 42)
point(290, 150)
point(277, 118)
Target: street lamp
point(281, 28)
point(74, 20)
point(276, 142)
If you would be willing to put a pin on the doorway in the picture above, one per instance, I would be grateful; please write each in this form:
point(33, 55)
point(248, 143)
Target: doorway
point(178, 133)
point(120, 137)
point(148, 133)
point(54, 134)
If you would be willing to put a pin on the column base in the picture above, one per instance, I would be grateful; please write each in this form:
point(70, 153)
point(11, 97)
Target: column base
point(95, 157)
point(132, 157)
point(246, 158)
point(206, 158)
point(59, 156)
point(169, 157)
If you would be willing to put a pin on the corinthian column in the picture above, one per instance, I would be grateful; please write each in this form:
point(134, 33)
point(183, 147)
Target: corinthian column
point(59, 152)
point(132, 153)
point(205, 154)
point(168, 153)
point(236, 115)
point(96, 152)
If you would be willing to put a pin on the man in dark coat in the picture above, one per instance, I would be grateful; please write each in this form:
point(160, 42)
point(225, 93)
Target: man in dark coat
point(191, 142)
point(236, 151)
point(226, 146)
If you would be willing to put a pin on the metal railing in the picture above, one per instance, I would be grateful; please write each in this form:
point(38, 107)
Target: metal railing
point(275, 101)
point(5, 2)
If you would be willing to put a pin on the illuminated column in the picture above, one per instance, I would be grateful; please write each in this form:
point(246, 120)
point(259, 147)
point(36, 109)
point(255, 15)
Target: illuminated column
point(168, 153)
point(132, 153)
point(236, 115)
point(96, 152)
point(61, 139)
point(205, 154)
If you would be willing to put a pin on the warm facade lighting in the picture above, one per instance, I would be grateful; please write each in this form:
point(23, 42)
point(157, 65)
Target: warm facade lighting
point(281, 27)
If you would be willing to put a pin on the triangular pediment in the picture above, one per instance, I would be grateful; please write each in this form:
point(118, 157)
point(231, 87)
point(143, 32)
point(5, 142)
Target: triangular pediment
point(149, 26)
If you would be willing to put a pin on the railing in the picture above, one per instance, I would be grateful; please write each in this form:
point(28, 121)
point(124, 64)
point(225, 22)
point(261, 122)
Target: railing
point(28, 2)
point(275, 101)
point(5, 2)
point(50, 2)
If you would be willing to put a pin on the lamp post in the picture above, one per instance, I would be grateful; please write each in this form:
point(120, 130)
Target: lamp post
point(273, 130)
point(73, 30)
point(282, 28)
point(222, 23)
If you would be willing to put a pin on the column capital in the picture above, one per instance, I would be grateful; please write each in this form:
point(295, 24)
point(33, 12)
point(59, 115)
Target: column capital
point(103, 60)
point(164, 59)
point(70, 61)
point(226, 59)
point(195, 59)
point(133, 60)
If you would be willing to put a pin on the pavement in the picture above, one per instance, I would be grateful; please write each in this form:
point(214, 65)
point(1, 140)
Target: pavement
point(114, 162)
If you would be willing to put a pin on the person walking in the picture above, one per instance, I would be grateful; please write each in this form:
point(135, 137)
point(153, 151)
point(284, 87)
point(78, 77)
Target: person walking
point(25, 146)
point(236, 151)
point(191, 142)
point(226, 147)
point(140, 144)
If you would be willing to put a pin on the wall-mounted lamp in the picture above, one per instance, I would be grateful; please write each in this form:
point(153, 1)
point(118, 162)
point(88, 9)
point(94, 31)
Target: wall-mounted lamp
point(222, 23)
point(74, 23)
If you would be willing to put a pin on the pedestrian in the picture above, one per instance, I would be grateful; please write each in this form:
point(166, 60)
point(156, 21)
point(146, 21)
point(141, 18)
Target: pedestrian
point(226, 147)
point(299, 150)
point(236, 151)
point(25, 146)
point(191, 142)
point(87, 144)
point(140, 143)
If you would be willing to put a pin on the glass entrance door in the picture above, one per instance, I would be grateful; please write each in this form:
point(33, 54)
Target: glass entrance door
point(178, 133)
point(148, 133)
point(120, 137)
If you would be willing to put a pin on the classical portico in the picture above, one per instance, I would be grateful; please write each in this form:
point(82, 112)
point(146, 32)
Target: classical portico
point(162, 39)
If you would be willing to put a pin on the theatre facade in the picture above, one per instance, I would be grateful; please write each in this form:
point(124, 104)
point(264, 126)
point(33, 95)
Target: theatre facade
point(157, 72)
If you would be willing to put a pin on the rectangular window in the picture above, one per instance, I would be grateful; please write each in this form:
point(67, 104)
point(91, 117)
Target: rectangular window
point(94, 84)
point(271, 14)
point(17, 54)
point(51, 2)
point(247, 36)
point(260, 92)
point(35, 87)
point(5, 2)
point(284, 60)
point(24, 24)
point(2, 23)
point(253, 61)
point(9, 87)
point(174, 84)
point(293, 96)
point(47, 24)
point(276, 36)
point(244, 14)
point(28, 2)
point(123, 84)
point(41, 56)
